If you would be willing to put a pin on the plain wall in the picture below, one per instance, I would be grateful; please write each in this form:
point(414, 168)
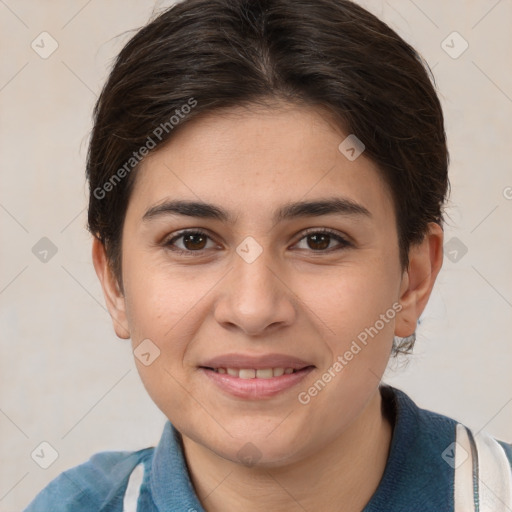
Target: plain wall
point(64, 376)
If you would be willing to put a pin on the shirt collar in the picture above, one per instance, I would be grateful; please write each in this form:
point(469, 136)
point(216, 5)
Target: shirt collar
point(416, 476)
point(415, 473)
point(171, 487)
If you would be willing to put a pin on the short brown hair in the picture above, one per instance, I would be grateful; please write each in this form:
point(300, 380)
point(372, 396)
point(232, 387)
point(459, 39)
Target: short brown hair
point(331, 54)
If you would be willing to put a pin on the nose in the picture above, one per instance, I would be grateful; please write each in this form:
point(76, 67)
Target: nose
point(255, 297)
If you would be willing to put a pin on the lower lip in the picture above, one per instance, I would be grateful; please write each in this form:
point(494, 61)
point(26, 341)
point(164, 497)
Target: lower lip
point(256, 388)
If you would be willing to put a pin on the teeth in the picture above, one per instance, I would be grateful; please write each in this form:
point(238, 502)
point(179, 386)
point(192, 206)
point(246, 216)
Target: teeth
point(264, 374)
point(251, 373)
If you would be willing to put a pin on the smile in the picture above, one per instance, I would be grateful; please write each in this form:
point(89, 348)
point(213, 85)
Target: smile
point(255, 384)
point(252, 373)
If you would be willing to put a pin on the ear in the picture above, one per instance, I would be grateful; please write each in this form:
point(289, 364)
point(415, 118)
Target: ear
point(114, 298)
point(425, 261)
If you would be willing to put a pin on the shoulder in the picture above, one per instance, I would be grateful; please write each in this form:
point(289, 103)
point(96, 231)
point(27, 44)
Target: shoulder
point(478, 441)
point(91, 485)
point(436, 462)
point(434, 426)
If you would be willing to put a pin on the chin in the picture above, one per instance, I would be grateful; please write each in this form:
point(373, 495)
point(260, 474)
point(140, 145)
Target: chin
point(253, 455)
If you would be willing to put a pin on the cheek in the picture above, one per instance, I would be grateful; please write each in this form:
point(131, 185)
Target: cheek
point(357, 319)
point(160, 308)
point(348, 299)
point(157, 300)
point(357, 325)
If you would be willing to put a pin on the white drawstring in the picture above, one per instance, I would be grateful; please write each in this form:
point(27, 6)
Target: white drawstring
point(463, 479)
point(131, 496)
point(483, 482)
point(495, 475)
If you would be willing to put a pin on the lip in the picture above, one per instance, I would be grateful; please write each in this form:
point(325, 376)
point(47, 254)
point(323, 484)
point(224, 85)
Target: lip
point(259, 362)
point(256, 389)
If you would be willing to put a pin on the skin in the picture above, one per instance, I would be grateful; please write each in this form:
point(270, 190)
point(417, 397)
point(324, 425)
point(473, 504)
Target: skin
point(294, 299)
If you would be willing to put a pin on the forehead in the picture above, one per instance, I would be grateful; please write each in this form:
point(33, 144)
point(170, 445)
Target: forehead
point(246, 159)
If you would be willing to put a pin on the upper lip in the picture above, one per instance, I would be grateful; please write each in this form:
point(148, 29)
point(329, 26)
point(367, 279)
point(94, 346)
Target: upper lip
point(257, 362)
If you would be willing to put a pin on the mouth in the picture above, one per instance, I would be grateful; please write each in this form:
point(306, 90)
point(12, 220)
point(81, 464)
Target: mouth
point(256, 373)
point(255, 378)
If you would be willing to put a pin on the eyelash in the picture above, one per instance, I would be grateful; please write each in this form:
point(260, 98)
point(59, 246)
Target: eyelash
point(344, 243)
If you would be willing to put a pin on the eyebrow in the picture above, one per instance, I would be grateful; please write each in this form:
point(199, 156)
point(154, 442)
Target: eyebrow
point(199, 209)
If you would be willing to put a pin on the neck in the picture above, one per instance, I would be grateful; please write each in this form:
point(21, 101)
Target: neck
point(357, 458)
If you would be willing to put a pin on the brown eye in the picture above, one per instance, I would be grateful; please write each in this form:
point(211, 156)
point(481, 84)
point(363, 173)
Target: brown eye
point(194, 242)
point(191, 242)
point(320, 241)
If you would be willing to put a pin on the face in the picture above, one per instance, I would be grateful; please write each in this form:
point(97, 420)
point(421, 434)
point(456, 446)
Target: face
point(260, 278)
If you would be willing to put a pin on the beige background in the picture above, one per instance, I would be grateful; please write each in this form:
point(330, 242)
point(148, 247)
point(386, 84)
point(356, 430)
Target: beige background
point(66, 379)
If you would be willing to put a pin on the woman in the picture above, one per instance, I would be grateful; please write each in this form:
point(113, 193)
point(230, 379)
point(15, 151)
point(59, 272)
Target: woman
point(267, 180)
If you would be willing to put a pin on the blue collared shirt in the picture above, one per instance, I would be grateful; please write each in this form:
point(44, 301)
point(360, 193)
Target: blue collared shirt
point(419, 475)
